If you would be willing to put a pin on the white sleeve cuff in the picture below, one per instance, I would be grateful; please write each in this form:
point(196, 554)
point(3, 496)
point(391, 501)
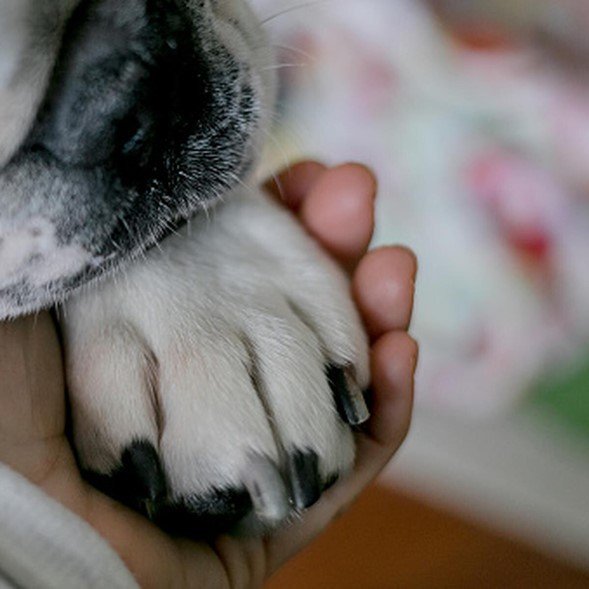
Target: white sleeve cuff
point(45, 546)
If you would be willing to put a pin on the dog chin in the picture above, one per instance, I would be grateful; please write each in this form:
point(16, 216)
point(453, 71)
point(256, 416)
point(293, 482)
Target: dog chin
point(137, 118)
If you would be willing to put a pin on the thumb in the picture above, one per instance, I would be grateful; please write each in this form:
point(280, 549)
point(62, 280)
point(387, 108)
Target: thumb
point(32, 404)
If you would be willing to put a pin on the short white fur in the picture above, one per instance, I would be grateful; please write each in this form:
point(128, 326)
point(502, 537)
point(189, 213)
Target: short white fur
point(166, 351)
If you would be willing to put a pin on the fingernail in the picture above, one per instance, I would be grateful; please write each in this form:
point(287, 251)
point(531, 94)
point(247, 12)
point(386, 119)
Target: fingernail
point(349, 397)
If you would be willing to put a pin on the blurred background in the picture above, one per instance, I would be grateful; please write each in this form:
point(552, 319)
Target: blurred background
point(475, 116)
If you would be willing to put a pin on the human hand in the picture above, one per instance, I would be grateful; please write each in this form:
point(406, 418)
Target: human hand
point(337, 207)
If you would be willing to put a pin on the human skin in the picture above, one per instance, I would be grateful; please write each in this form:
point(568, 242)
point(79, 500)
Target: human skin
point(336, 206)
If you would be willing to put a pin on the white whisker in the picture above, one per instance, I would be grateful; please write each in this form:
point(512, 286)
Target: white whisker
point(278, 184)
point(280, 66)
point(301, 52)
point(292, 9)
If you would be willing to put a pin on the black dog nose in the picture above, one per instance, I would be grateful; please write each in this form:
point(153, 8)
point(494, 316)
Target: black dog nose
point(119, 70)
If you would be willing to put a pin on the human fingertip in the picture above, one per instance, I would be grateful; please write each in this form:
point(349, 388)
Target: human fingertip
point(384, 289)
point(409, 253)
point(339, 212)
point(395, 355)
point(293, 184)
point(361, 174)
point(393, 364)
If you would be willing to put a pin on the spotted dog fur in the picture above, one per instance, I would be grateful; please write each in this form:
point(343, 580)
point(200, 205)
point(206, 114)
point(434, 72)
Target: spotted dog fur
point(213, 366)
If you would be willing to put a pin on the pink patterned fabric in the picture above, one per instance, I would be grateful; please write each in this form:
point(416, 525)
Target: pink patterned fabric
point(483, 156)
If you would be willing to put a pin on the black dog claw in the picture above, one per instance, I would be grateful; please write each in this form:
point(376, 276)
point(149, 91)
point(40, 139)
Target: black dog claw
point(138, 482)
point(349, 398)
point(303, 473)
point(142, 478)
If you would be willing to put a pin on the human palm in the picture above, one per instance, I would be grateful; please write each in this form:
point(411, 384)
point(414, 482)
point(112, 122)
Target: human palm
point(337, 207)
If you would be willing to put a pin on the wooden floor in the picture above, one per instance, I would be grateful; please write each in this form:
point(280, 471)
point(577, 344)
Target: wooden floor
point(391, 541)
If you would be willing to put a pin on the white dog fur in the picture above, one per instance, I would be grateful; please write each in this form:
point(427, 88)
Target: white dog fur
point(211, 346)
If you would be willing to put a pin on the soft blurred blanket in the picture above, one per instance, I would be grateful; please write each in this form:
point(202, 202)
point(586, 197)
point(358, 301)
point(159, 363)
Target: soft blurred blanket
point(482, 149)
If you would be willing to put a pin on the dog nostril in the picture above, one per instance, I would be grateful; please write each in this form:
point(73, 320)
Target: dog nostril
point(131, 135)
point(172, 43)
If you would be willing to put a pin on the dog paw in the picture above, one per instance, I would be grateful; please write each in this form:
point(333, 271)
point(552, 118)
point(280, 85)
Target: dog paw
point(213, 383)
